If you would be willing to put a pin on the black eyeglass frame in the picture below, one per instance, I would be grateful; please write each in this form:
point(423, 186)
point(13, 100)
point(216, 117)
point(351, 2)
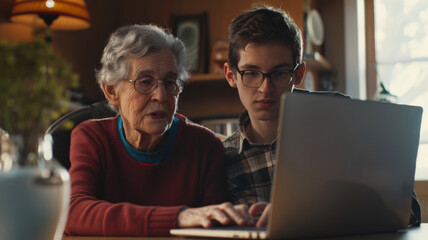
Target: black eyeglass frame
point(268, 75)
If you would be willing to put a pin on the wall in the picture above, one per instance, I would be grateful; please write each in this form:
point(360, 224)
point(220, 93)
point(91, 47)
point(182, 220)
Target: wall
point(83, 48)
point(220, 12)
point(334, 48)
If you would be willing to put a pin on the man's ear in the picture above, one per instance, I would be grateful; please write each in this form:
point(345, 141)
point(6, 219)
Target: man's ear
point(110, 91)
point(230, 76)
point(299, 73)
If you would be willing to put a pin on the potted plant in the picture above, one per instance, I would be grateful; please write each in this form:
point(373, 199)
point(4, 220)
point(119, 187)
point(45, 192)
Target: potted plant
point(33, 93)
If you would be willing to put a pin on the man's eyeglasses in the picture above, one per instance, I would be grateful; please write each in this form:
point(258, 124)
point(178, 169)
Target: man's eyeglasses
point(148, 84)
point(278, 78)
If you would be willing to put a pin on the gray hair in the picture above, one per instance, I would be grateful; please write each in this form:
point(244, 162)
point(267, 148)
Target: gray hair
point(137, 41)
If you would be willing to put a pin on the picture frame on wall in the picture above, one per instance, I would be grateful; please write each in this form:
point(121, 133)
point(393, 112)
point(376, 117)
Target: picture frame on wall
point(193, 31)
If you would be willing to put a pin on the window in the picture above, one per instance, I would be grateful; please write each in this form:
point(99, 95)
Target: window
point(401, 43)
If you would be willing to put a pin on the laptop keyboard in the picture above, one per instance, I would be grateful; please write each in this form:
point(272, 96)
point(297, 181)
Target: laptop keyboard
point(236, 227)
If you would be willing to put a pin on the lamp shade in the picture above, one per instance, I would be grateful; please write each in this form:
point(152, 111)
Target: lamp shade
point(57, 14)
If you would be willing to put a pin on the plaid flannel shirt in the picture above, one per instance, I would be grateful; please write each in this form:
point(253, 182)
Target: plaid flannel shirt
point(250, 166)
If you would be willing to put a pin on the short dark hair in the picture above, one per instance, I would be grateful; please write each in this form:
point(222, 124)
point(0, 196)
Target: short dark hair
point(263, 24)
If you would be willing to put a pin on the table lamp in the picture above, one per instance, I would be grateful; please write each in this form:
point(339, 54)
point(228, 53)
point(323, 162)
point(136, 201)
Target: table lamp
point(54, 14)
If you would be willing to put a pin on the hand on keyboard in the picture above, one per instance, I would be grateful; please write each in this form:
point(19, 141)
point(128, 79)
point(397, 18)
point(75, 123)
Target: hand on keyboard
point(224, 213)
point(262, 208)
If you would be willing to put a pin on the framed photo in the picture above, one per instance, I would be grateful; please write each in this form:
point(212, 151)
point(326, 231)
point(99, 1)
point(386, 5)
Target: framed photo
point(193, 31)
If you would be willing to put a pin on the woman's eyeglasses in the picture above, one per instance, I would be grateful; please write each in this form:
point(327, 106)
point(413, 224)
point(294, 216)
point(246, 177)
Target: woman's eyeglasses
point(148, 84)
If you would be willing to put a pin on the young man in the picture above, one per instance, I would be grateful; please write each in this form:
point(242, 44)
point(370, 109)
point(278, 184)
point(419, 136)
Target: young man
point(265, 60)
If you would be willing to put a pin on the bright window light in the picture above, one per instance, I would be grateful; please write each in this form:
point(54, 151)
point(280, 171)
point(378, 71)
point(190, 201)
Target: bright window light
point(401, 40)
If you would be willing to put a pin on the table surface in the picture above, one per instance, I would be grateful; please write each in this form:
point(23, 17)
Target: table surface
point(416, 233)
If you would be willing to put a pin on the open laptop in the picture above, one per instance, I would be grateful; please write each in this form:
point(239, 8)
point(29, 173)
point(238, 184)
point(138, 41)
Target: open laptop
point(344, 167)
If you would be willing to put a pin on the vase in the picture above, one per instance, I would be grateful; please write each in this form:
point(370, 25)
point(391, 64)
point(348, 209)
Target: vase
point(34, 199)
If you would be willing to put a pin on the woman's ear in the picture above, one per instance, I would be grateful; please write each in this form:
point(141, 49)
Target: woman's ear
point(230, 75)
point(299, 73)
point(110, 91)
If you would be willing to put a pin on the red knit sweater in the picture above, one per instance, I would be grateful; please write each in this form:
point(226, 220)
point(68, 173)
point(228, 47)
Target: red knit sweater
point(112, 194)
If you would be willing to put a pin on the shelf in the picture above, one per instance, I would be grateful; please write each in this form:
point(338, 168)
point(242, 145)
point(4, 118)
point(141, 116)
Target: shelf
point(318, 62)
point(206, 77)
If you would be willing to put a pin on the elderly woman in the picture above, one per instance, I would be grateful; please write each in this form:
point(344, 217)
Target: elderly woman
point(148, 169)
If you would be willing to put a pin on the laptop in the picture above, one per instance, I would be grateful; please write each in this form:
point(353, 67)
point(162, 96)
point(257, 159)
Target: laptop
point(344, 167)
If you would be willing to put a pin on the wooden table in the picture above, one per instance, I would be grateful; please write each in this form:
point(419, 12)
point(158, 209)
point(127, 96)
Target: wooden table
point(417, 233)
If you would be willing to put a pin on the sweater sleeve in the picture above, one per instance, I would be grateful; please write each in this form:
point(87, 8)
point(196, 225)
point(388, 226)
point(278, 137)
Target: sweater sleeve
point(215, 181)
point(89, 215)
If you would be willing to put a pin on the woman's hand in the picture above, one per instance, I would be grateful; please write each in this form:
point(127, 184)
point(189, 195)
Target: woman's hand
point(224, 213)
point(263, 208)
